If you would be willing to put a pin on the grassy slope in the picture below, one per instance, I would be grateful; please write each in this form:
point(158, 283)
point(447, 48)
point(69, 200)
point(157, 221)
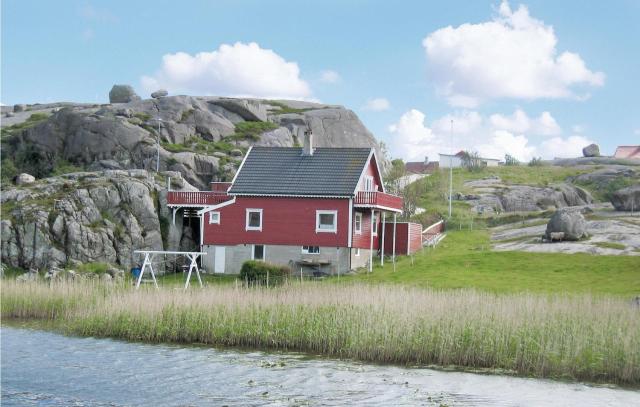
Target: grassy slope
point(464, 260)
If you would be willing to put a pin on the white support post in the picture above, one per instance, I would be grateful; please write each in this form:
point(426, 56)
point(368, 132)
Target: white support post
point(371, 244)
point(192, 266)
point(148, 259)
point(384, 218)
point(393, 256)
point(174, 215)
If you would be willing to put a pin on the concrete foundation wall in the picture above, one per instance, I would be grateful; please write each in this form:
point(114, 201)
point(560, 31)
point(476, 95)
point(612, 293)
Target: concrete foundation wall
point(289, 256)
point(362, 260)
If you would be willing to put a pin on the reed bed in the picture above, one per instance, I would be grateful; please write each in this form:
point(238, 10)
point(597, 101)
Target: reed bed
point(579, 337)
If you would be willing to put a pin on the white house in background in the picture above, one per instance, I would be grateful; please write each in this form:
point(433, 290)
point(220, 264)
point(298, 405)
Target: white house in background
point(455, 160)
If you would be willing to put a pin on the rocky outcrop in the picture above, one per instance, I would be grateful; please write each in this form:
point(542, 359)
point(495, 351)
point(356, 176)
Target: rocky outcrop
point(566, 224)
point(125, 135)
point(601, 179)
point(592, 150)
point(87, 217)
point(122, 94)
point(492, 195)
point(627, 199)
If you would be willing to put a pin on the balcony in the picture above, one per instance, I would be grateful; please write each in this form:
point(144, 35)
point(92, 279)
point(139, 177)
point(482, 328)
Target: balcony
point(196, 198)
point(380, 200)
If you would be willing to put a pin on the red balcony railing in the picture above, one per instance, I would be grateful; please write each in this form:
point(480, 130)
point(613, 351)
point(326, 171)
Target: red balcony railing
point(196, 198)
point(378, 199)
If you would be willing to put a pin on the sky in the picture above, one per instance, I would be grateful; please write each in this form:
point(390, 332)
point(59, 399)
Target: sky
point(530, 79)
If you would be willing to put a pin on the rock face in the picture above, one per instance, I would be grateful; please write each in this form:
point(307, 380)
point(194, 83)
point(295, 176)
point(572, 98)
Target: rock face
point(24, 178)
point(124, 135)
point(592, 150)
point(122, 94)
point(87, 217)
point(627, 199)
point(159, 93)
point(602, 178)
point(491, 195)
point(566, 224)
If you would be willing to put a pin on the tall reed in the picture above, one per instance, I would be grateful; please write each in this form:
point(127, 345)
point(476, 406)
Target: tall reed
point(577, 337)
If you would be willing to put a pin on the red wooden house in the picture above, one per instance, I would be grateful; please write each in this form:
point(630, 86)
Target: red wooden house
point(308, 208)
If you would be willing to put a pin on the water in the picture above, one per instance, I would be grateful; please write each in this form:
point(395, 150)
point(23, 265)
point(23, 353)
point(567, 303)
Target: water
point(41, 368)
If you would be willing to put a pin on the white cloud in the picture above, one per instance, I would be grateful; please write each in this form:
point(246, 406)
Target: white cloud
point(637, 132)
point(512, 56)
point(412, 138)
point(570, 147)
point(329, 76)
point(377, 105)
point(520, 122)
point(242, 70)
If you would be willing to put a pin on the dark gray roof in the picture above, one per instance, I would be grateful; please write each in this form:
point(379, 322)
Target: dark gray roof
point(286, 171)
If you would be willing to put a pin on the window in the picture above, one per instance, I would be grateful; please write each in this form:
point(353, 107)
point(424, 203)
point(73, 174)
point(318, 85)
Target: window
point(214, 217)
point(258, 252)
point(358, 227)
point(375, 223)
point(310, 249)
point(254, 219)
point(357, 251)
point(327, 221)
point(368, 183)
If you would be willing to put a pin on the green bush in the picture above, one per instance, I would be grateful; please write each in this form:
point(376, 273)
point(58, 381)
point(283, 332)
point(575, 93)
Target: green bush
point(256, 272)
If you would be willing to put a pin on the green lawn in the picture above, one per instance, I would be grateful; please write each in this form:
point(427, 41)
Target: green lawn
point(464, 260)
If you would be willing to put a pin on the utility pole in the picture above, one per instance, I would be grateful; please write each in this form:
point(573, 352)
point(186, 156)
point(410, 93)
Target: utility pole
point(451, 171)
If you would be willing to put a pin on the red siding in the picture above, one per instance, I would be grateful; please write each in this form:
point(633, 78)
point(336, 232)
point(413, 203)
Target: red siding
point(415, 237)
point(405, 233)
point(286, 221)
point(362, 240)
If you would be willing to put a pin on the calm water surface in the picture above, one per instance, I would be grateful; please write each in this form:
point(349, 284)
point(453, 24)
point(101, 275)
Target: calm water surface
point(41, 368)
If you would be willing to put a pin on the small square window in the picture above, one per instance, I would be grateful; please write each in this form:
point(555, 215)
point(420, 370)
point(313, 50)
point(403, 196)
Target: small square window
point(310, 249)
point(254, 219)
point(258, 252)
point(214, 218)
point(358, 226)
point(326, 221)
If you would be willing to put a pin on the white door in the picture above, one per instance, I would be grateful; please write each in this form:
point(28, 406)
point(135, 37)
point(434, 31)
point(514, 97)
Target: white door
point(219, 259)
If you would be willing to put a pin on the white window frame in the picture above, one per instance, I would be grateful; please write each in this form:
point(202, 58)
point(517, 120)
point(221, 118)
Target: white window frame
point(358, 224)
point(368, 183)
point(248, 211)
point(306, 251)
point(264, 252)
point(211, 220)
point(374, 228)
point(335, 221)
point(357, 253)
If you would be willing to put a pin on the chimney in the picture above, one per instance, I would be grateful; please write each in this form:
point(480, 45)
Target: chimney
point(426, 160)
point(307, 149)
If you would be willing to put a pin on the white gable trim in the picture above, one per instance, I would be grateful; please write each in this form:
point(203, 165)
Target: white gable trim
point(364, 168)
point(378, 169)
point(233, 181)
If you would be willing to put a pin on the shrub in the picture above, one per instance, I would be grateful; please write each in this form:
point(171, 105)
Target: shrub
point(510, 160)
point(535, 162)
point(256, 272)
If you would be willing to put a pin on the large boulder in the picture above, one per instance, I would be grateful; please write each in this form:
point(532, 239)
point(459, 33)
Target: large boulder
point(159, 93)
point(122, 94)
point(592, 150)
point(627, 199)
point(566, 224)
point(24, 178)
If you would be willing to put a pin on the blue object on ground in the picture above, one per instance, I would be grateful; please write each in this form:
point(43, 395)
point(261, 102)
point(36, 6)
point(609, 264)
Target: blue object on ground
point(135, 272)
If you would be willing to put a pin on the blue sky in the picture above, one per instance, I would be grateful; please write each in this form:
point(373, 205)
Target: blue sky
point(541, 79)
